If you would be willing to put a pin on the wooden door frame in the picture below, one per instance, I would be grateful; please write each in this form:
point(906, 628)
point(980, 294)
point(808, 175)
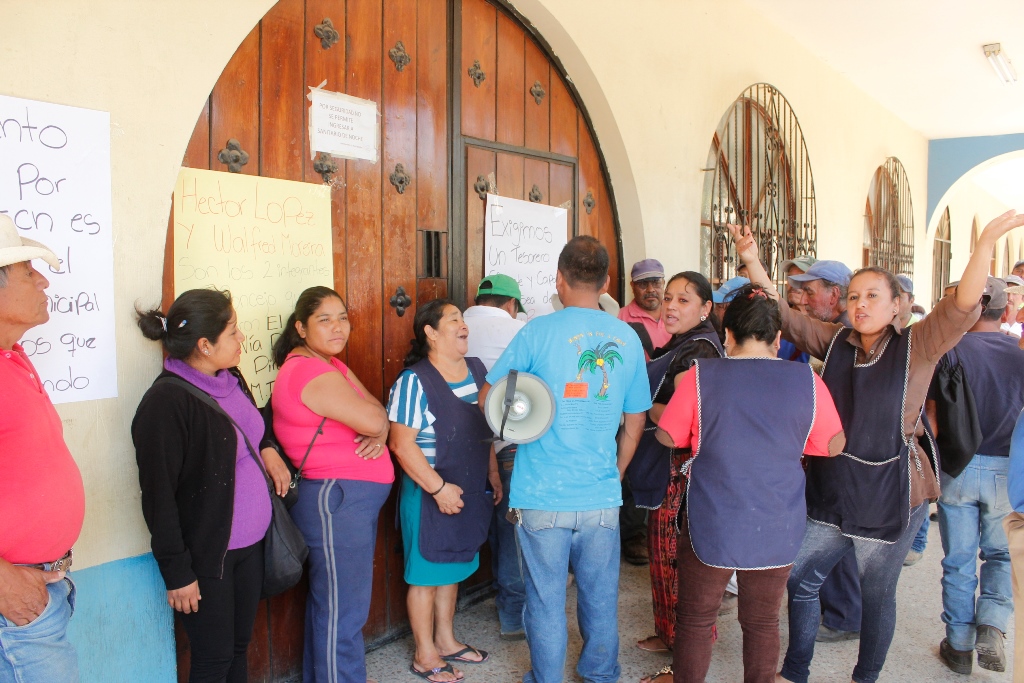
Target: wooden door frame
point(457, 195)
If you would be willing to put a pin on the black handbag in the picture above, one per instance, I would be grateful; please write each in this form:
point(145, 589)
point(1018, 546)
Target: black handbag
point(956, 414)
point(284, 547)
point(292, 496)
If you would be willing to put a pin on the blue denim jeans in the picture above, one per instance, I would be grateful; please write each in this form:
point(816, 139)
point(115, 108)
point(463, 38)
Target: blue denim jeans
point(879, 565)
point(971, 512)
point(39, 652)
point(338, 518)
point(505, 565)
point(921, 540)
point(549, 542)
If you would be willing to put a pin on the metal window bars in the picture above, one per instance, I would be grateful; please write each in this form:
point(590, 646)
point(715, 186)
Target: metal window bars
point(891, 219)
point(758, 174)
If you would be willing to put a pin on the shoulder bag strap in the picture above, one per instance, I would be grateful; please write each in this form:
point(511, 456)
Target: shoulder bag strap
point(209, 400)
point(298, 473)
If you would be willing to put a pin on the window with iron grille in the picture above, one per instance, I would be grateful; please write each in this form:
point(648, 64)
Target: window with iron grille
point(942, 254)
point(890, 215)
point(758, 174)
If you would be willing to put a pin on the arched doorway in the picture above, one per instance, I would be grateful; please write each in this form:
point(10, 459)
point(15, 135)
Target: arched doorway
point(758, 173)
point(471, 102)
point(890, 218)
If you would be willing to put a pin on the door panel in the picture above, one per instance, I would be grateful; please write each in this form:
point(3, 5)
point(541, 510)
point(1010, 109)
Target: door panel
point(385, 239)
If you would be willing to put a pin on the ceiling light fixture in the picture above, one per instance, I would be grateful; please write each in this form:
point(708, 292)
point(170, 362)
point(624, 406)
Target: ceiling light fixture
point(1000, 62)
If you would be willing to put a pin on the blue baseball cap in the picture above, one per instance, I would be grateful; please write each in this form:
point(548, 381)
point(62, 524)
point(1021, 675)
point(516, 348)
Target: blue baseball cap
point(727, 291)
point(833, 271)
point(906, 284)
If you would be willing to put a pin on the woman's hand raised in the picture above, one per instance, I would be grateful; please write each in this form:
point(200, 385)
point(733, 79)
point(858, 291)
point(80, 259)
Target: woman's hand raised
point(746, 246)
point(449, 499)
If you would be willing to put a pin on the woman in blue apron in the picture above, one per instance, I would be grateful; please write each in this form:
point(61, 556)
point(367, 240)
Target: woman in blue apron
point(443, 444)
point(874, 496)
point(744, 509)
point(654, 473)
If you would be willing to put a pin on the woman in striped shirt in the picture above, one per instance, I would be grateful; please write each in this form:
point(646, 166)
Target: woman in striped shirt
point(442, 442)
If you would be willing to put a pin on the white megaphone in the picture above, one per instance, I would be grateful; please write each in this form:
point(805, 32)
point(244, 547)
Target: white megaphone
point(520, 408)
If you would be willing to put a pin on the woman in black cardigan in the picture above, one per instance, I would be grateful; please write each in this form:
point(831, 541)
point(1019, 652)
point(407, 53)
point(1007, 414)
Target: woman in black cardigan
point(204, 495)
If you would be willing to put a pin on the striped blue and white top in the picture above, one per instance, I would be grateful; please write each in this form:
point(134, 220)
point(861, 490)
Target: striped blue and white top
point(407, 405)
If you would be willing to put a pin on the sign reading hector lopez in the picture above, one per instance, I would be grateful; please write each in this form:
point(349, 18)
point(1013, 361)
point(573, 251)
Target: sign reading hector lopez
point(55, 185)
point(343, 126)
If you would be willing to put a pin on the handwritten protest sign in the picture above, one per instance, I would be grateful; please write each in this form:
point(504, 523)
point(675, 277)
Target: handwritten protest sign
point(55, 185)
point(523, 240)
point(264, 240)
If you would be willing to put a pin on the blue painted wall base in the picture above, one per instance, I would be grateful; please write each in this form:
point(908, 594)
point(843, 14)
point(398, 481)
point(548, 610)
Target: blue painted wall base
point(122, 627)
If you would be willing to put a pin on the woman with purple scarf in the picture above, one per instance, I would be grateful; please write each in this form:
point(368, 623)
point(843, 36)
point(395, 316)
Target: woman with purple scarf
point(204, 495)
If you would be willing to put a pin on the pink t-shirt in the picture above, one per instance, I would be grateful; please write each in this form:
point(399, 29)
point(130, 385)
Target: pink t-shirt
point(334, 453)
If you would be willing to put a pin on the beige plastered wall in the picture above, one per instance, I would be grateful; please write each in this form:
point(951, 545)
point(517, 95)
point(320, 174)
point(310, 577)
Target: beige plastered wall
point(656, 76)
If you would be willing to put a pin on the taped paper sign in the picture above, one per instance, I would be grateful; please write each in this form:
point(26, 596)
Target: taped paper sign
point(265, 240)
point(55, 185)
point(343, 126)
point(523, 240)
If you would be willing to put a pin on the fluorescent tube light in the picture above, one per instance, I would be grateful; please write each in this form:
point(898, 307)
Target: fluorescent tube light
point(1000, 63)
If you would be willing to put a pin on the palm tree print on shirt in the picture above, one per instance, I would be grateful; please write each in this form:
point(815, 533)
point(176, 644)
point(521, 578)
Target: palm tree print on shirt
point(603, 357)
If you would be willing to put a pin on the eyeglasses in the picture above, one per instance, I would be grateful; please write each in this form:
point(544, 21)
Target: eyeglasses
point(652, 283)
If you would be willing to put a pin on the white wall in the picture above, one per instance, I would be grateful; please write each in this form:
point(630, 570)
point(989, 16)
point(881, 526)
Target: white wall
point(656, 76)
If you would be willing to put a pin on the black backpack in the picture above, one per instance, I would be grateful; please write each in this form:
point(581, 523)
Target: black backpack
point(956, 417)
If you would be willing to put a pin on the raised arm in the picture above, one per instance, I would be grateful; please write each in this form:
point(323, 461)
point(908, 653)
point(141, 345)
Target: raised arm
point(972, 283)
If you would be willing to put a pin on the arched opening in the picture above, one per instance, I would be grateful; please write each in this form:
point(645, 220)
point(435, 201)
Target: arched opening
point(471, 100)
point(942, 254)
point(758, 173)
point(890, 218)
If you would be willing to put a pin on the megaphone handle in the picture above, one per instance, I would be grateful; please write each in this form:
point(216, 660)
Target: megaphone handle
point(510, 394)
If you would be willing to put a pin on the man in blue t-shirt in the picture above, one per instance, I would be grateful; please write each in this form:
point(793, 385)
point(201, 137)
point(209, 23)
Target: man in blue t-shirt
point(566, 488)
point(972, 506)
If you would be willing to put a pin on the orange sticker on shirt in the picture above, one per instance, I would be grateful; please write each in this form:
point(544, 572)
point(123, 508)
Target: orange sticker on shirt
point(576, 390)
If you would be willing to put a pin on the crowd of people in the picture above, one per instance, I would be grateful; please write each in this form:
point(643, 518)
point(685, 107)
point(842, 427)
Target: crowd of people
point(750, 446)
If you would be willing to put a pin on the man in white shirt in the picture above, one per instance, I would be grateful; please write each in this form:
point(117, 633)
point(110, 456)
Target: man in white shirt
point(1010, 324)
point(492, 324)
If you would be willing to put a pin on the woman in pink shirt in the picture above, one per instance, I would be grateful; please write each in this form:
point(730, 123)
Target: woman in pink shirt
point(345, 481)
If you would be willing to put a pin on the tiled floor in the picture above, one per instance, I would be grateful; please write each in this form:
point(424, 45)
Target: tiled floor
point(912, 657)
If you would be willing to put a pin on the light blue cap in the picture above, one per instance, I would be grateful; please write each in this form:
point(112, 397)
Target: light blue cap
point(833, 271)
point(727, 291)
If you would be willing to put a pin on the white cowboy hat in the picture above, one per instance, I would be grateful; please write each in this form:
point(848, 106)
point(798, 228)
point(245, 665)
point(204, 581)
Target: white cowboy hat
point(14, 248)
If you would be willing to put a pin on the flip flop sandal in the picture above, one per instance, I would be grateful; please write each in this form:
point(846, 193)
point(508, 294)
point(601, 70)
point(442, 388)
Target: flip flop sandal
point(665, 671)
point(458, 656)
point(426, 675)
point(640, 646)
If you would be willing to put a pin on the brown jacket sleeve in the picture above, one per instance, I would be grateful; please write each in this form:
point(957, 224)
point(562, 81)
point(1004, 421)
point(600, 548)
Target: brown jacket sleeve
point(941, 330)
point(807, 333)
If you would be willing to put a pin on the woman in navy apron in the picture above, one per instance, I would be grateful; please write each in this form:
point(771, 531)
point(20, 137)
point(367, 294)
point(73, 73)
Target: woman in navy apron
point(654, 473)
point(874, 496)
point(744, 508)
point(443, 443)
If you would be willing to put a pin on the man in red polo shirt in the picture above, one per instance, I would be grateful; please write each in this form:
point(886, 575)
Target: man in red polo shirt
point(643, 314)
point(42, 500)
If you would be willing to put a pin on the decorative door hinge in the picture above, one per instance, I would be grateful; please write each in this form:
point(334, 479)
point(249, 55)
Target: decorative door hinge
point(325, 166)
point(234, 156)
point(400, 179)
point(536, 195)
point(476, 73)
point(399, 56)
point(589, 202)
point(538, 92)
point(400, 301)
point(327, 34)
point(481, 187)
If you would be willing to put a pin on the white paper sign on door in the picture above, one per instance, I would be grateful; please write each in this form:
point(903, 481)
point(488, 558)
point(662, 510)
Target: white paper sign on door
point(343, 126)
point(523, 240)
point(55, 184)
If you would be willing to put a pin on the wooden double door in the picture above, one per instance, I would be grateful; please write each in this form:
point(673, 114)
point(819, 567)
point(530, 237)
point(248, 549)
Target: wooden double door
point(470, 102)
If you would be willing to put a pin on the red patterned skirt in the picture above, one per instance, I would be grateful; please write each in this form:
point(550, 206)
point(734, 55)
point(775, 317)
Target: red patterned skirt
point(661, 544)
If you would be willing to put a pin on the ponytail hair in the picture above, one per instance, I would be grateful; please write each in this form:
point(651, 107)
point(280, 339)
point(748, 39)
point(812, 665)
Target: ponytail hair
point(430, 314)
point(752, 313)
point(194, 315)
point(305, 307)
